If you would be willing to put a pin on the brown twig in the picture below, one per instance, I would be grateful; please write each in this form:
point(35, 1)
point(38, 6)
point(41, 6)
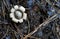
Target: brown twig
point(43, 24)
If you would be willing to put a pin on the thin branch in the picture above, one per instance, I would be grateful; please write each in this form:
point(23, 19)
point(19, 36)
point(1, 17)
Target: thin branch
point(43, 24)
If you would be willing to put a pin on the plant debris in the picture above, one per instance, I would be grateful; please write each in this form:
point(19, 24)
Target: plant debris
point(43, 20)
